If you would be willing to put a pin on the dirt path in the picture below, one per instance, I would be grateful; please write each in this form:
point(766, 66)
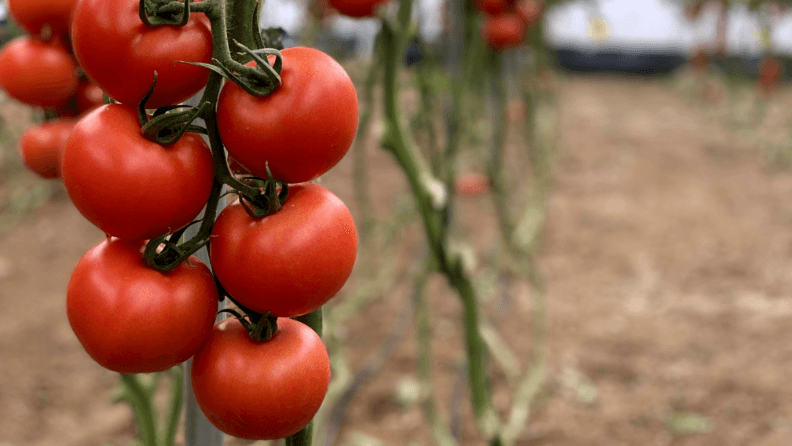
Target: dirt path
point(669, 263)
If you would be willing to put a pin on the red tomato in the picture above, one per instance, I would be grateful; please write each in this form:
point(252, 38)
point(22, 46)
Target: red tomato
point(34, 15)
point(492, 7)
point(88, 97)
point(261, 390)
point(236, 168)
point(472, 184)
point(357, 8)
point(41, 147)
point(503, 31)
point(769, 73)
point(129, 186)
point(289, 263)
point(530, 11)
point(700, 60)
point(37, 73)
point(120, 53)
point(303, 128)
point(133, 319)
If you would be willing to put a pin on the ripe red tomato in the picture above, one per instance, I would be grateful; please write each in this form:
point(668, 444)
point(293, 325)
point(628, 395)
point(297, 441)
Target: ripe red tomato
point(472, 184)
point(133, 319)
point(34, 15)
point(289, 263)
point(357, 8)
point(302, 129)
point(88, 97)
point(769, 73)
point(41, 147)
point(503, 31)
point(530, 11)
point(37, 73)
point(129, 186)
point(261, 390)
point(120, 53)
point(492, 7)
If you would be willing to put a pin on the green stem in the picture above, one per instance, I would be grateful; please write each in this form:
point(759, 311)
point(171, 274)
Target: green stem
point(138, 398)
point(176, 402)
point(242, 23)
point(305, 436)
point(423, 335)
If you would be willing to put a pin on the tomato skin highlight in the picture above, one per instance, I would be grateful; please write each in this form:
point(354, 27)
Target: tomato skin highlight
point(37, 73)
point(42, 147)
point(357, 8)
point(128, 186)
point(503, 31)
point(289, 263)
point(265, 390)
point(120, 53)
point(34, 15)
point(302, 129)
point(133, 319)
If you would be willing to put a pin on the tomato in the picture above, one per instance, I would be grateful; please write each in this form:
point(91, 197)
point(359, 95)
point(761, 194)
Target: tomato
point(492, 7)
point(769, 73)
point(236, 168)
point(503, 31)
point(37, 73)
point(88, 97)
point(357, 8)
point(530, 11)
point(289, 263)
point(129, 186)
point(693, 10)
point(302, 129)
point(41, 147)
point(120, 53)
point(35, 15)
point(133, 319)
point(700, 60)
point(261, 390)
point(472, 184)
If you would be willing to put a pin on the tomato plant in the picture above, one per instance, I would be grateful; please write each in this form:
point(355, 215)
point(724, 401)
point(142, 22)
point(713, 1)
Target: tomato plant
point(261, 391)
point(41, 147)
point(291, 262)
point(769, 73)
point(36, 15)
point(493, 7)
point(37, 73)
point(131, 187)
point(503, 31)
point(133, 319)
point(303, 128)
point(121, 54)
point(530, 11)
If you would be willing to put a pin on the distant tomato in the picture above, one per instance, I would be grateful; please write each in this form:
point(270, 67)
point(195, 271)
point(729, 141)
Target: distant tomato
point(769, 73)
point(289, 263)
point(41, 147)
point(356, 8)
point(128, 186)
point(261, 390)
point(493, 7)
point(530, 11)
point(504, 31)
point(472, 184)
point(133, 319)
point(35, 15)
point(302, 129)
point(693, 10)
point(700, 60)
point(37, 73)
point(121, 54)
point(87, 97)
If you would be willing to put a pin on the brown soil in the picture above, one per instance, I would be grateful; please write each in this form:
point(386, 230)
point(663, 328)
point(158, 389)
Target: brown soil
point(669, 251)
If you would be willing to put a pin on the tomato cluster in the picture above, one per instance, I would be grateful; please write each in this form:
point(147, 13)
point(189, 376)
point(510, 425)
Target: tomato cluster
point(139, 302)
point(507, 22)
point(40, 70)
